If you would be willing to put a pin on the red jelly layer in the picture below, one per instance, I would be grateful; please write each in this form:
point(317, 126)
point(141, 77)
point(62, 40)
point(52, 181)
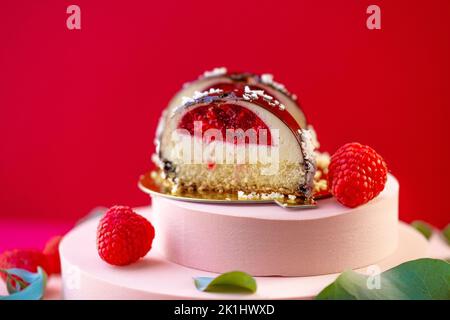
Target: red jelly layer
point(223, 116)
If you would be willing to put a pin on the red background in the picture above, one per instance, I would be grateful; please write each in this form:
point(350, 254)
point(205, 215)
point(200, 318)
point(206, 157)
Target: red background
point(78, 109)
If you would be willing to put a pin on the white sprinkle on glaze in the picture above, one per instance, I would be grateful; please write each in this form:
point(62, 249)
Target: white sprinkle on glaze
point(214, 72)
point(198, 94)
point(254, 94)
point(314, 137)
point(307, 145)
point(260, 196)
point(267, 78)
point(185, 100)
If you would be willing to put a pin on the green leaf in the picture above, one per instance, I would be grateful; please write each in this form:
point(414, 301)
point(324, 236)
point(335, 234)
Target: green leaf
point(424, 228)
point(33, 291)
point(422, 279)
point(446, 233)
point(229, 282)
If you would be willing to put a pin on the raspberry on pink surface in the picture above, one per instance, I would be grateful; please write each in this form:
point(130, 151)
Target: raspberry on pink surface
point(51, 252)
point(123, 237)
point(27, 259)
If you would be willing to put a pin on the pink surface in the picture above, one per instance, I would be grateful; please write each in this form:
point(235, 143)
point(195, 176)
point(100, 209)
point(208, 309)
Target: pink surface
point(79, 108)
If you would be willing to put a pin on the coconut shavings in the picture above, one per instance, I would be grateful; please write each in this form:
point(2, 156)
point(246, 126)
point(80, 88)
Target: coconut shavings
point(314, 137)
point(214, 72)
point(323, 160)
point(267, 79)
point(198, 94)
point(262, 196)
point(250, 94)
point(309, 159)
point(307, 144)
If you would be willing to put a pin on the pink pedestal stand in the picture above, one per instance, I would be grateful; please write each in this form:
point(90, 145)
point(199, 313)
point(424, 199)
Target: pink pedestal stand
point(86, 276)
point(267, 240)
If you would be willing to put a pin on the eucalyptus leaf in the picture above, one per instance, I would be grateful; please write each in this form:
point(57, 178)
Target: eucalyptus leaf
point(229, 282)
point(422, 279)
point(446, 233)
point(36, 285)
point(424, 228)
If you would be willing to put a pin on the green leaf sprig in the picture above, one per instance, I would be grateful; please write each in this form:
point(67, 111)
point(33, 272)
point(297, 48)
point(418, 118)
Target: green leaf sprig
point(229, 282)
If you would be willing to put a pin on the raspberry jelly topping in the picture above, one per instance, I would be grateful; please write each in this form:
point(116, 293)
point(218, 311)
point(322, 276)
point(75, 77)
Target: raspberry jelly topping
point(223, 116)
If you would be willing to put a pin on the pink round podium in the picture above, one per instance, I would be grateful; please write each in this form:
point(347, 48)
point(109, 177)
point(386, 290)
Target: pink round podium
point(86, 276)
point(268, 240)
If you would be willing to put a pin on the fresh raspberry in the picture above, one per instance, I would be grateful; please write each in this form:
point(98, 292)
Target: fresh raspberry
point(357, 174)
point(51, 252)
point(123, 236)
point(27, 259)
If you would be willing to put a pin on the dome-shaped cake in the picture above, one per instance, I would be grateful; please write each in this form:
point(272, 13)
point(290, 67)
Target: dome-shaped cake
point(240, 133)
point(241, 141)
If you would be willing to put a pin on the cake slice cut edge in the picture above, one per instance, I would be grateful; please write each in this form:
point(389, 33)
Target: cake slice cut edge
point(292, 153)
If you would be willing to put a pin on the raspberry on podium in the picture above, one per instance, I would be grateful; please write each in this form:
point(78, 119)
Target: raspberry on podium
point(357, 174)
point(123, 237)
